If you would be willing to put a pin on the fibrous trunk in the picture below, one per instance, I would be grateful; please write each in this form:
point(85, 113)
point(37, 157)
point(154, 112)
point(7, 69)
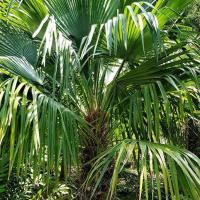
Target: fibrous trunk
point(97, 142)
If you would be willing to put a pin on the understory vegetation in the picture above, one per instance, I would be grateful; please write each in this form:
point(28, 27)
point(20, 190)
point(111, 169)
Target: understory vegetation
point(99, 100)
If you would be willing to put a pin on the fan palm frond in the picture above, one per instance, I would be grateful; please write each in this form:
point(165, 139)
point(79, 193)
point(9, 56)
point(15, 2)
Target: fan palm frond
point(18, 54)
point(36, 125)
point(26, 15)
point(158, 164)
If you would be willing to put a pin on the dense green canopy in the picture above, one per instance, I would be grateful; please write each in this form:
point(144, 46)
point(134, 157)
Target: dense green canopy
point(99, 87)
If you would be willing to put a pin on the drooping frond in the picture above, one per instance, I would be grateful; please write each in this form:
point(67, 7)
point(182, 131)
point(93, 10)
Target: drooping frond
point(176, 169)
point(37, 126)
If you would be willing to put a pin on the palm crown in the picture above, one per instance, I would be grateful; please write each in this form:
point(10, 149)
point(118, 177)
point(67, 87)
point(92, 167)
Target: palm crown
point(99, 84)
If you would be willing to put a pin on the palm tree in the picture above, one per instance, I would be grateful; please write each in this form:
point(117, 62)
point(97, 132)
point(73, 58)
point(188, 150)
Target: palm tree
point(96, 86)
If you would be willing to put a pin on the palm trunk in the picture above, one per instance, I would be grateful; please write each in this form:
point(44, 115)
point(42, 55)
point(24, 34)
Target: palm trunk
point(98, 142)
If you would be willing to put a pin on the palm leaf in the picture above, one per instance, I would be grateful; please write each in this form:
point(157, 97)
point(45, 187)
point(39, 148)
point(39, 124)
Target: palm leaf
point(26, 15)
point(23, 109)
point(175, 164)
point(168, 63)
point(18, 54)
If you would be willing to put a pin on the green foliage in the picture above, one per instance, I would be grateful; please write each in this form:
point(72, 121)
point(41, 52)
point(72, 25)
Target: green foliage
point(25, 188)
point(193, 16)
point(93, 87)
point(156, 162)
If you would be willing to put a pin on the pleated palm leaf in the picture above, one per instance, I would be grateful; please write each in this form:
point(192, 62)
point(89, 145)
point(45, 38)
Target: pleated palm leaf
point(99, 85)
